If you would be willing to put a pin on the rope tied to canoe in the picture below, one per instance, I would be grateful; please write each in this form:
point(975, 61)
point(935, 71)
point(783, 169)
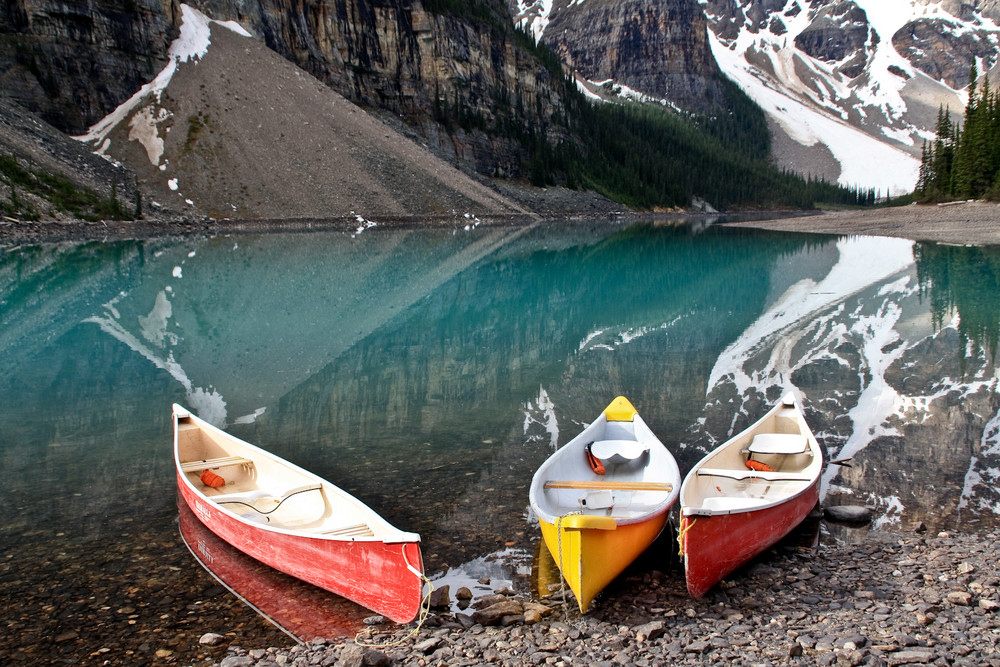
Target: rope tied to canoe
point(425, 610)
point(686, 524)
point(562, 578)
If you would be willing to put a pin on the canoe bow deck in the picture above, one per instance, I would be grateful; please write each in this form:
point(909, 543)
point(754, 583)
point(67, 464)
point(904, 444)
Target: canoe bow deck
point(295, 521)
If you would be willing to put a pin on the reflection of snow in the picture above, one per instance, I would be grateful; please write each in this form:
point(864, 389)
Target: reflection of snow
point(154, 325)
point(498, 568)
point(863, 262)
point(207, 403)
point(543, 413)
point(980, 474)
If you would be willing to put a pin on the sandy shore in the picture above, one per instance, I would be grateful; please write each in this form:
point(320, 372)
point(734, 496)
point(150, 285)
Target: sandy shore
point(966, 223)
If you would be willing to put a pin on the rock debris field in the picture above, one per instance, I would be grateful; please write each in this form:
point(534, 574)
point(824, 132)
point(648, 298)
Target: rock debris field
point(891, 600)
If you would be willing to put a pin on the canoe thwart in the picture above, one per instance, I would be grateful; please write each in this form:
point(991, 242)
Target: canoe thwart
point(756, 474)
point(779, 443)
point(206, 464)
point(608, 484)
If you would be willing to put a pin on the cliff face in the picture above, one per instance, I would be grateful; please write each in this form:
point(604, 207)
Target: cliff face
point(75, 62)
point(658, 47)
point(71, 62)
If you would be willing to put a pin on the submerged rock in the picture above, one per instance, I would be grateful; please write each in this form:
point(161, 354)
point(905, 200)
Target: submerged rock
point(855, 514)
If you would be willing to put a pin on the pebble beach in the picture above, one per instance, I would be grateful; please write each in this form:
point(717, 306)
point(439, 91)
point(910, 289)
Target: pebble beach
point(892, 599)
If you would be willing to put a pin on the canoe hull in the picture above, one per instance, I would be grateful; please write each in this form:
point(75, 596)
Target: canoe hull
point(714, 546)
point(373, 574)
point(591, 558)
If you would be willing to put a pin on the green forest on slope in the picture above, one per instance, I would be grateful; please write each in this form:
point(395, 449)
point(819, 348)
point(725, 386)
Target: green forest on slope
point(963, 162)
point(646, 155)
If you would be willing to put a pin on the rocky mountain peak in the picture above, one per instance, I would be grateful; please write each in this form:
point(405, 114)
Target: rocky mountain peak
point(657, 47)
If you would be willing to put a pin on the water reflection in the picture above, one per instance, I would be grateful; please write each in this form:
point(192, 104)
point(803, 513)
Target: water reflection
point(962, 281)
point(429, 372)
point(303, 611)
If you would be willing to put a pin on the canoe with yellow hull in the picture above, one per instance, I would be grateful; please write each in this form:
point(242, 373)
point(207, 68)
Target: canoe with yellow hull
point(603, 498)
point(591, 551)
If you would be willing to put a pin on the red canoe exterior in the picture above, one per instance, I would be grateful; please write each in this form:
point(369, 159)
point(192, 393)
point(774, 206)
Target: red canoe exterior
point(303, 611)
point(713, 546)
point(384, 577)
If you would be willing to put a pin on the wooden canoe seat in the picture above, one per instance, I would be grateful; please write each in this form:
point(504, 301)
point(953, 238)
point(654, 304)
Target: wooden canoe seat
point(754, 474)
point(779, 443)
point(356, 530)
point(614, 486)
point(206, 464)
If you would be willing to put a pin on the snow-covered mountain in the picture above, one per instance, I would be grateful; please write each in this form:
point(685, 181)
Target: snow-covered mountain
point(852, 88)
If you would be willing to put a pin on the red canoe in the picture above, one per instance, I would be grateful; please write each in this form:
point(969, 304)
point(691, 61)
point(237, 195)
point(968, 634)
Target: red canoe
point(295, 521)
point(747, 494)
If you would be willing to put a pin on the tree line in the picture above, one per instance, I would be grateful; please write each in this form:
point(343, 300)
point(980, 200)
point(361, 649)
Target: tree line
point(963, 161)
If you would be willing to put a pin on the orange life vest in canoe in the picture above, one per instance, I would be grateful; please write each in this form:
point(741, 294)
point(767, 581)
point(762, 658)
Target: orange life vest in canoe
point(595, 463)
point(209, 478)
point(758, 466)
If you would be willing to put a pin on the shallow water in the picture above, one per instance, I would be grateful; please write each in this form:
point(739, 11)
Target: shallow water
point(429, 372)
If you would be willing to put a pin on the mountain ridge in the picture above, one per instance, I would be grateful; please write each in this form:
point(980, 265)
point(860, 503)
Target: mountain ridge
point(851, 87)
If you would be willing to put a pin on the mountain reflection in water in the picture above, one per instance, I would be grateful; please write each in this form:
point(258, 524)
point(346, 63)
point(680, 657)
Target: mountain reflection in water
point(429, 372)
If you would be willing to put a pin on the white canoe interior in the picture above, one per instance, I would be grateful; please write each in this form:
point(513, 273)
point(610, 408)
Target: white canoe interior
point(722, 482)
point(641, 477)
point(262, 488)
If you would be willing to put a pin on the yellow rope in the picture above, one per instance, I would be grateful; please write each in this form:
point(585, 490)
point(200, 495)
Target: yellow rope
point(425, 609)
point(685, 527)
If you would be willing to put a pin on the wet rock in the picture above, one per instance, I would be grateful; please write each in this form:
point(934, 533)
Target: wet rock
point(428, 645)
point(237, 661)
point(494, 614)
point(441, 597)
point(961, 598)
point(913, 656)
point(211, 639)
point(649, 631)
point(463, 593)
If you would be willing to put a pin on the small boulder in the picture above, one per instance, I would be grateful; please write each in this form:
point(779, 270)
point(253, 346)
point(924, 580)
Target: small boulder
point(494, 614)
point(441, 597)
point(211, 639)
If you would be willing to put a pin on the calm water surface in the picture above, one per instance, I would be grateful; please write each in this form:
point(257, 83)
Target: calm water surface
point(430, 372)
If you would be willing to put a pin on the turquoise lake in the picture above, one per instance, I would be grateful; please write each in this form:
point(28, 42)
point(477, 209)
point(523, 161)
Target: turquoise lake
point(429, 372)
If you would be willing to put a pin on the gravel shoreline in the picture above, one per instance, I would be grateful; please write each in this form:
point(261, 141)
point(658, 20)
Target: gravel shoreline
point(960, 223)
point(891, 600)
